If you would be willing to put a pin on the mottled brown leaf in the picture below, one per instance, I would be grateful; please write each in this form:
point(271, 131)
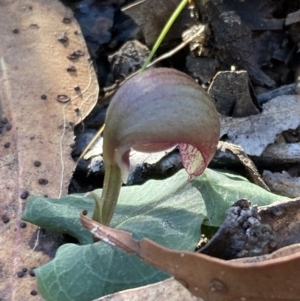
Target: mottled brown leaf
point(36, 127)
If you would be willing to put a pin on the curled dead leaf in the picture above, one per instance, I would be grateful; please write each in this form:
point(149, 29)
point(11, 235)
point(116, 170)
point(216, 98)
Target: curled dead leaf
point(210, 278)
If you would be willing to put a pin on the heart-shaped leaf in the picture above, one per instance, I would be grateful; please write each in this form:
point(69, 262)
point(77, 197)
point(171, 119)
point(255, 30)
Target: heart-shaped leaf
point(170, 212)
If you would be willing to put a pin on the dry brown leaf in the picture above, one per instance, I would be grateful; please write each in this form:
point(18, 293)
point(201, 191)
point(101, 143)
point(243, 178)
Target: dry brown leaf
point(286, 251)
point(210, 278)
point(169, 289)
point(33, 63)
point(250, 167)
point(284, 219)
point(256, 132)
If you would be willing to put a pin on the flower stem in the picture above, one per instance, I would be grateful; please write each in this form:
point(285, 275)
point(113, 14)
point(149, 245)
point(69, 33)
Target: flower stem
point(165, 30)
point(105, 206)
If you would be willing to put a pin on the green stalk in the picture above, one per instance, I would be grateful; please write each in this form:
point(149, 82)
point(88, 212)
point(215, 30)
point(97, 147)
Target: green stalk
point(105, 206)
point(165, 30)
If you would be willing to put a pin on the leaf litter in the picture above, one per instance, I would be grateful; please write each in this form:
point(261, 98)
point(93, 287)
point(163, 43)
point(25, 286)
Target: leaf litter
point(254, 133)
point(261, 75)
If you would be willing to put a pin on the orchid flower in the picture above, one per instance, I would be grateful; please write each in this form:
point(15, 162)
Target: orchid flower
point(153, 111)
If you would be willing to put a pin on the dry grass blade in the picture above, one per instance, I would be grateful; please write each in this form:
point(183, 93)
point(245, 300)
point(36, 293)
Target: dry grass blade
point(100, 131)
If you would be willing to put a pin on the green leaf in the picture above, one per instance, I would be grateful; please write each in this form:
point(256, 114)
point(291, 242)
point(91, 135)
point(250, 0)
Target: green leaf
point(219, 190)
point(83, 273)
point(60, 215)
point(170, 212)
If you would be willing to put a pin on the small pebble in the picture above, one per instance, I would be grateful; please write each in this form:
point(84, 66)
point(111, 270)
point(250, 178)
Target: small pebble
point(20, 274)
point(33, 293)
point(8, 127)
point(7, 145)
point(4, 120)
point(23, 224)
point(37, 163)
point(24, 195)
point(24, 270)
point(71, 69)
point(5, 219)
point(32, 272)
point(75, 54)
point(77, 88)
point(16, 30)
point(62, 37)
point(43, 96)
point(66, 20)
point(43, 181)
point(34, 26)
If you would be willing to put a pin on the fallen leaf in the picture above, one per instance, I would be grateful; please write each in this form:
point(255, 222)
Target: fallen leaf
point(168, 211)
point(252, 172)
point(276, 154)
point(282, 183)
point(210, 278)
point(286, 251)
point(284, 219)
point(255, 133)
point(37, 37)
point(169, 289)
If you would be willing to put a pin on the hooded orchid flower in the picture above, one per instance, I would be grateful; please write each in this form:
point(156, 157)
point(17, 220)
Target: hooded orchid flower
point(153, 111)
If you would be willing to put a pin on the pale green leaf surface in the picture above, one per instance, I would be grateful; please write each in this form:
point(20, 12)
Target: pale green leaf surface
point(219, 190)
point(170, 212)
